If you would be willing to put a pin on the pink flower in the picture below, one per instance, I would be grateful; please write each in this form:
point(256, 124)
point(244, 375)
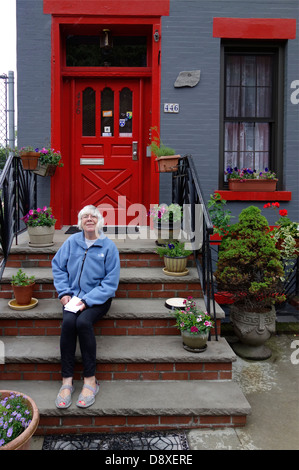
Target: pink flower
point(30, 212)
point(44, 208)
point(38, 209)
point(194, 329)
point(207, 323)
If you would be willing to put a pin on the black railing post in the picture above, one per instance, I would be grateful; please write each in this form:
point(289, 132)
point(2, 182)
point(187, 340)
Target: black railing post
point(186, 190)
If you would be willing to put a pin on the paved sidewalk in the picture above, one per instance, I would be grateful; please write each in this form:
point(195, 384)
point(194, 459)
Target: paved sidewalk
point(272, 389)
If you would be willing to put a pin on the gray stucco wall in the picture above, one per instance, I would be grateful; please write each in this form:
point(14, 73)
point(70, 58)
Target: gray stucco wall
point(188, 44)
point(34, 82)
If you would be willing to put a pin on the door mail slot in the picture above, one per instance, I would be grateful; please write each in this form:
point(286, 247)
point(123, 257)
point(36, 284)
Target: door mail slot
point(91, 161)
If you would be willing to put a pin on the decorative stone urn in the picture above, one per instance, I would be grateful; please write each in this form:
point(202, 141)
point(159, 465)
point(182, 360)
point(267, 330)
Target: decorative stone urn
point(253, 329)
point(41, 236)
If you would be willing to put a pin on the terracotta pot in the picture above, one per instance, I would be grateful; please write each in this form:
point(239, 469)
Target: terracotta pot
point(194, 342)
point(253, 329)
point(23, 294)
point(175, 264)
point(252, 185)
point(29, 160)
point(168, 164)
point(41, 236)
point(22, 442)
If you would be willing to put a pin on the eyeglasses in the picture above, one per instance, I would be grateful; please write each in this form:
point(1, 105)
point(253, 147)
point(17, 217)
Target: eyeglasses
point(89, 216)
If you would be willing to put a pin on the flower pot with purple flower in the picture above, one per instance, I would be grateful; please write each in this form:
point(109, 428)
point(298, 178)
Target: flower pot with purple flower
point(19, 419)
point(41, 226)
point(166, 222)
point(175, 258)
point(195, 326)
point(48, 161)
point(248, 179)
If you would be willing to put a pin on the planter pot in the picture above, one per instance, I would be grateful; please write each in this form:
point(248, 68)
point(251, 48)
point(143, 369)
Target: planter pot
point(41, 236)
point(23, 294)
point(253, 330)
point(252, 185)
point(22, 442)
point(194, 342)
point(45, 170)
point(167, 232)
point(176, 265)
point(168, 164)
point(29, 160)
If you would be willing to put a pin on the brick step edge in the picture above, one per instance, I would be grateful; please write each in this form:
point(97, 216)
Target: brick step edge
point(139, 406)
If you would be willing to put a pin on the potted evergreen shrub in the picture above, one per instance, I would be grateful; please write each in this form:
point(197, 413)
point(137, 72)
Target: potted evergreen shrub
point(23, 286)
point(175, 258)
point(249, 267)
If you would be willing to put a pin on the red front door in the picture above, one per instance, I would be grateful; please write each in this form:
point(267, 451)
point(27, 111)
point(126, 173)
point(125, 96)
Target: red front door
point(106, 169)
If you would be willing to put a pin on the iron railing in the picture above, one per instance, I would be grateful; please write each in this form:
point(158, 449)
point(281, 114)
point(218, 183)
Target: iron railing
point(17, 196)
point(187, 193)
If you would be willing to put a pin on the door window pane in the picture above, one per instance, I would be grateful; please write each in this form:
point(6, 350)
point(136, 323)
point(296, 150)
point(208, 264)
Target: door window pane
point(88, 114)
point(107, 110)
point(125, 113)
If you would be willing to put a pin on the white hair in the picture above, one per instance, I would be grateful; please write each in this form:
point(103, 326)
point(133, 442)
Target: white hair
point(93, 211)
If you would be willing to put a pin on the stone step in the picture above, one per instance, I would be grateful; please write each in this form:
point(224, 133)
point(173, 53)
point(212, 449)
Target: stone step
point(134, 283)
point(125, 317)
point(139, 406)
point(120, 357)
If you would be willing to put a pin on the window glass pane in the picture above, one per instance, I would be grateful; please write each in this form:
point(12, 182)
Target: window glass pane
point(125, 113)
point(127, 51)
point(247, 145)
point(248, 86)
point(88, 115)
point(107, 110)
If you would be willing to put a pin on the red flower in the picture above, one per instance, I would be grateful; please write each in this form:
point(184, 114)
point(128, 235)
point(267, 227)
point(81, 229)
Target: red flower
point(276, 204)
point(267, 205)
point(283, 212)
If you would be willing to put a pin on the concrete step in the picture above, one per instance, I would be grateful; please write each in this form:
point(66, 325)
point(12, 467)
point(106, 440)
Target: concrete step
point(126, 316)
point(120, 357)
point(120, 309)
point(127, 275)
point(139, 406)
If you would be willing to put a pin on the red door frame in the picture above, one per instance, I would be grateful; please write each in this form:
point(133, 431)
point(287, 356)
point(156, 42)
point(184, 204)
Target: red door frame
point(149, 16)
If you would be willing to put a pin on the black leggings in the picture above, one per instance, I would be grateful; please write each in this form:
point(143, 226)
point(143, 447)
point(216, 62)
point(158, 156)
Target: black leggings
point(80, 325)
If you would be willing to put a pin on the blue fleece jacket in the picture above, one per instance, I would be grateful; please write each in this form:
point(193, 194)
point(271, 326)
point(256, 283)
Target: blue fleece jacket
point(91, 273)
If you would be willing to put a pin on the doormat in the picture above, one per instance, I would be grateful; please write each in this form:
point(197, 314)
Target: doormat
point(125, 441)
point(109, 230)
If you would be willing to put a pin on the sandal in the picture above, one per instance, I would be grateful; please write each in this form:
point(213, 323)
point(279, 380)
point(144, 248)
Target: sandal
point(64, 402)
point(88, 399)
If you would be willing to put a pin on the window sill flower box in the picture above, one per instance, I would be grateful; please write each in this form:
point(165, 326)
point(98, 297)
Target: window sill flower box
point(266, 185)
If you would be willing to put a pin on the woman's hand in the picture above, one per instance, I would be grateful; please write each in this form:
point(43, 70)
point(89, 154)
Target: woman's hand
point(65, 299)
